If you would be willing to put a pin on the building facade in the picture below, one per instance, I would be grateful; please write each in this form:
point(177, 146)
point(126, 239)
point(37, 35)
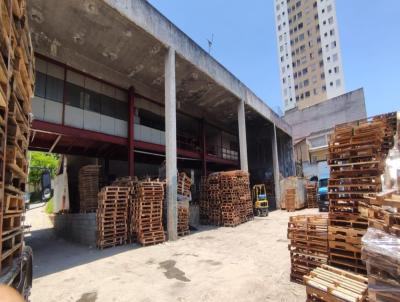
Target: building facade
point(309, 53)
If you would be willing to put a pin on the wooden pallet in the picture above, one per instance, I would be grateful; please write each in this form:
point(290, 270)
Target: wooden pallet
point(334, 285)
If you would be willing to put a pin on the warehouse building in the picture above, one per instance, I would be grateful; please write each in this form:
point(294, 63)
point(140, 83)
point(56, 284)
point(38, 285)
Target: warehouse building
point(117, 81)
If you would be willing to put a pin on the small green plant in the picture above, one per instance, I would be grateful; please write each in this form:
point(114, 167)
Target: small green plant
point(49, 206)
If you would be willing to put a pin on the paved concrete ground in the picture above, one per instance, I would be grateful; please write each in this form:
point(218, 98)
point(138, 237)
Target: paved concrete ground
point(247, 263)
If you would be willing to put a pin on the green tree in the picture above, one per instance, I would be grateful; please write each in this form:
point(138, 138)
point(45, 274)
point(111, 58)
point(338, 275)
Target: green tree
point(38, 162)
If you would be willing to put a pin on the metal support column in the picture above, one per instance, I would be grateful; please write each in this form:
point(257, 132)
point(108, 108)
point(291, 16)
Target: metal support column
point(170, 146)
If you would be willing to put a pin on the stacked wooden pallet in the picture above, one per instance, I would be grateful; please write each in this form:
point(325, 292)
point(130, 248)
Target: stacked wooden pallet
point(290, 200)
point(213, 200)
point(311, 190)
point(308, 246)
point(203, 202)
point(112, 216)
point(381, 251)
point(147, 210)
point(183, 221)
point(228, 201)
point(129, 182)
point(16, 90)
point(184, 184)
point(330, 284)
point(384, 212)
point(88, 188)
point(356, 162)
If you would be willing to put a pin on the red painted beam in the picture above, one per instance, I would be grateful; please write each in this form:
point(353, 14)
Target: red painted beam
point(78, 133)
point(82, 134)
point(131, 134)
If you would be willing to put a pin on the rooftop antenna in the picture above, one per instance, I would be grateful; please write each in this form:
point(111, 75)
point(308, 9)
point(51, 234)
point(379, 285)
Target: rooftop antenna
point(210, 43)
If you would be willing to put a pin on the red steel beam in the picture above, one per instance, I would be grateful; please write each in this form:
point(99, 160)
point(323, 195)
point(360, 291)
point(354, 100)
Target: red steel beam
point(82, 134)
point(42, 126)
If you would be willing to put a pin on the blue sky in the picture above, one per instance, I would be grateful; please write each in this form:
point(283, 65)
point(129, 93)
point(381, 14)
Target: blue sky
point(245, 43)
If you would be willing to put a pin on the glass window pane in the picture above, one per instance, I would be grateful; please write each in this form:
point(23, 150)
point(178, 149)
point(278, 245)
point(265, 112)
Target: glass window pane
point(54, 89)
point(92, 101)
point(122, 110)
point(40, 84)
point(107, 106)
point(74, 95)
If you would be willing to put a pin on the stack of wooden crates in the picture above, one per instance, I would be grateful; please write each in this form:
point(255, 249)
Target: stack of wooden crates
point(88, 188)
point(16, 90)
point(357, 152)
point(311, 191)
point(147, 212)
point(112, 216)
point(381, 247)
point(308, 235)
point(228, 199)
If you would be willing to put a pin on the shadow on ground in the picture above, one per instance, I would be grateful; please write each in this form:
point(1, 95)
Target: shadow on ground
point(52, 254)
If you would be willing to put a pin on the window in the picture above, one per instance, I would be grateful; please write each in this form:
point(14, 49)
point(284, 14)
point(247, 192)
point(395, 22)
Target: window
point(333, 44)
point(307, 94)
point(331, 84)
point(330, 20)
point(49, 81)
point(338, 83)
point(306, 82)
point(54, 89)
point(335, 57)
point(40, 84)
point(329, 8)
point(74, 95)
point(332, 32)
point(336, 69)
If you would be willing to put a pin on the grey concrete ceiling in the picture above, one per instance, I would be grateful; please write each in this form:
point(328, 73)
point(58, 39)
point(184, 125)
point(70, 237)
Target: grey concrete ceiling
point(91, 36)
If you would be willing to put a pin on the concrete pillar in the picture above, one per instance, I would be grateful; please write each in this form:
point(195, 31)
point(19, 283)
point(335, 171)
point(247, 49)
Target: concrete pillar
point(275, 161)
point(131, 134)
point(292, 153)
point(170, 145)
point(204, 147)
point(242, 137)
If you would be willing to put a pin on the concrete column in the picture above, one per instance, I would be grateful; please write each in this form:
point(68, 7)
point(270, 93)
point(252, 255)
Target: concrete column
point(131, 132)
point(204, 147)
point(275, 160)
point(242, 137)
point(170, 145)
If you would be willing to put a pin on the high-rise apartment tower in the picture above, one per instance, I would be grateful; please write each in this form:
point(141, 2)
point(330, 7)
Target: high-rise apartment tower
point(310, 59)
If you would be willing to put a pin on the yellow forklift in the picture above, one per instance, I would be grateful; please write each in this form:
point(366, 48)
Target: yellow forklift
point(260, 200)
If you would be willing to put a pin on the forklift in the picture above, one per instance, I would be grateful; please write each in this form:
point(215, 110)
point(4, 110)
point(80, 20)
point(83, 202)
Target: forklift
point(260, 200)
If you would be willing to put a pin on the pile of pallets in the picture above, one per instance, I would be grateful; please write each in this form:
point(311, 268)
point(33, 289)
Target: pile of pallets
point(356, 157)
point(311, 190)
point(88, 184)
point(228, 199)
point(381, 251)
point(147, 212)
point(330, 284)
point(16, 90)
point(203, 202)
point(183, 221)
point(129, 182)
point(384, 212)
point(308, 235)
point(213, 200)
point(290, 200)
point(183, 184)
point(112, 216)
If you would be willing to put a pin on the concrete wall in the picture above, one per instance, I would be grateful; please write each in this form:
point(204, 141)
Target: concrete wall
point(80, 228)
point(345, 108)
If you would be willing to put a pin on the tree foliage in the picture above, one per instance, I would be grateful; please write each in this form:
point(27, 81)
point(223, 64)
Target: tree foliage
point(39, 161)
